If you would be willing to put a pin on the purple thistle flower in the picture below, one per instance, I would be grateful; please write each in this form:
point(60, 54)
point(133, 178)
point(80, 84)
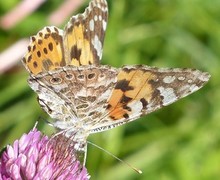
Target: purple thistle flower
point(35, 157)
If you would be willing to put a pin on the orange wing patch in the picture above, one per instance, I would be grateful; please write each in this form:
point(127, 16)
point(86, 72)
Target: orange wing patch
point(79, 50)
point(132, 85)
point(80, 44)
point(84, 35)
point(45, 51)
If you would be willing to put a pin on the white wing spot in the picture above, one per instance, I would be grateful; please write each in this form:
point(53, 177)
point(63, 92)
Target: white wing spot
point(168, 94)
point(100, 17)
point(91, 25)
point(95, 17)
point(204, 77)
point(99, 6)
point(97, 45)
point(193, 87)
point(190, 81)
point(169, 79)
point(104, 24)
point(181, 78)
point(104, 9)
point(137, 107)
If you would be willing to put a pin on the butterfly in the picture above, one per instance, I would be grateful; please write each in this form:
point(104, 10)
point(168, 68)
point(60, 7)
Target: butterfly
point(84, 97)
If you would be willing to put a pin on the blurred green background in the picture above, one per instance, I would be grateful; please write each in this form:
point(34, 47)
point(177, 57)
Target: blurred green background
point(178, 142)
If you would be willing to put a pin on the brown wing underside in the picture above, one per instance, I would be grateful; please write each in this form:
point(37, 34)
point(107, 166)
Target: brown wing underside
point(75, 93)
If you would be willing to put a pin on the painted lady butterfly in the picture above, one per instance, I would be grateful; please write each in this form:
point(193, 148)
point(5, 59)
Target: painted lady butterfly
point(84, 97)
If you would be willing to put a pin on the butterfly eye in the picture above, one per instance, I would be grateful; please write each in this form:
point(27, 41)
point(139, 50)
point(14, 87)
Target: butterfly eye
point(91, 76)
point(55, 80)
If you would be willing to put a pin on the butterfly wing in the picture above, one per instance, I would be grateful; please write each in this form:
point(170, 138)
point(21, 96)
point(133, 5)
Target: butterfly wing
point(104, 97)
point(80, 44)
point(140, 90)
point(74, 96)
point(45, 52)
point(84, 35)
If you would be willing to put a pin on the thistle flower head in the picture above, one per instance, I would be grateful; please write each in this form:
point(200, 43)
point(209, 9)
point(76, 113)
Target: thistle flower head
point(34, 156)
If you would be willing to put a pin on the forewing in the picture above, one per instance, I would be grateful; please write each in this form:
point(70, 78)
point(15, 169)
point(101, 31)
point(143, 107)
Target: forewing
point(84, 35)
point(141, 89)
point(45, 51)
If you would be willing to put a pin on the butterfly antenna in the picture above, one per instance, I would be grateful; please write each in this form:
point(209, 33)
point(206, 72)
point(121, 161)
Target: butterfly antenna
point(35, 125)
point(129, 165)
point(40, 118)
